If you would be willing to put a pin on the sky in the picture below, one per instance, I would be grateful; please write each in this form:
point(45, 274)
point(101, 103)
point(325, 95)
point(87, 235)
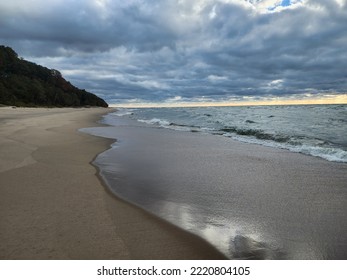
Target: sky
point(187, 51)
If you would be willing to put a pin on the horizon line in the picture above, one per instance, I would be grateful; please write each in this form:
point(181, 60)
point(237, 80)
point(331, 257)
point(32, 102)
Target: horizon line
point(336, 100)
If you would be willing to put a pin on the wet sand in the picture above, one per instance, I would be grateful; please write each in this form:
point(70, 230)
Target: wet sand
point(250, 201)
point(53, 205)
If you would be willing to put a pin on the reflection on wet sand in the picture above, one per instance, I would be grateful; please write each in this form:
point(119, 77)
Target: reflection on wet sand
point(235, 240)
point(148, 237)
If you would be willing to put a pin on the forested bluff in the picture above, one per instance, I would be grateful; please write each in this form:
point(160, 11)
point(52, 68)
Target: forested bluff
point(24, 83)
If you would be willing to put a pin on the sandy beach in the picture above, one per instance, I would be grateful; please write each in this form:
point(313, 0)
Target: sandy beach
point(53, 205)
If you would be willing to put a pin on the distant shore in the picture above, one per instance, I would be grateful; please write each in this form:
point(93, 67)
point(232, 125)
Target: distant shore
point(53, 206)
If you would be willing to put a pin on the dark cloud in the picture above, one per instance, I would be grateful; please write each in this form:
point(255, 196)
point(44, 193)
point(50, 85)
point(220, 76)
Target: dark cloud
point(195, 50)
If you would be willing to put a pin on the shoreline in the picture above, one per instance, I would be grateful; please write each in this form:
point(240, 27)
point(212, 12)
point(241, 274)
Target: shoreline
point(235, 195)
point(53, 206)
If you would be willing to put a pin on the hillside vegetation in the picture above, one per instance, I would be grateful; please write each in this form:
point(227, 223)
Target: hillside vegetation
point(24, 83)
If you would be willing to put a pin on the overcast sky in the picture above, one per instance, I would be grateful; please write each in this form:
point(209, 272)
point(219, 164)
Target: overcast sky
point(185, 50)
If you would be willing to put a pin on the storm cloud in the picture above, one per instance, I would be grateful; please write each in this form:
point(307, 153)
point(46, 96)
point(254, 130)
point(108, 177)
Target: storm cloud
point(174, 50)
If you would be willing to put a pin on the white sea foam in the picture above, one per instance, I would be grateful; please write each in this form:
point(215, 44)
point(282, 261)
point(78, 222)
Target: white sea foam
point(166, 124)
point(155, 121)
point(123, 112)
point(330, 154)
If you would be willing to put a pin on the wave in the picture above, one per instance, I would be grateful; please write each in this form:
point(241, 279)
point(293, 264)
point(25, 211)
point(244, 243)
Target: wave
point(123, 112)
point(330, 154)
point(259, 134)
point(327, 153)
point(256, 136)
point(156, 121)
point(171, 125)
point(246, 128)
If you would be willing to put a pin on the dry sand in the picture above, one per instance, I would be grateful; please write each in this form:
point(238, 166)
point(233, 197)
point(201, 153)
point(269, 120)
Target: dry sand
point(53, 206)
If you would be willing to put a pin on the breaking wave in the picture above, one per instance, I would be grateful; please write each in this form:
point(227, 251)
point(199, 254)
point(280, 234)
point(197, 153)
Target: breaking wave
point(319, 131)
